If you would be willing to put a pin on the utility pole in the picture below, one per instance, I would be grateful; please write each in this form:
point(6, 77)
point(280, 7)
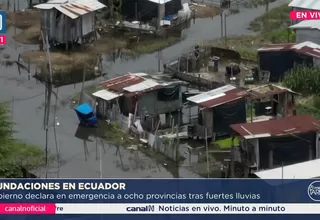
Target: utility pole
point(221, 16)
point(225, 30)
point(82, 88)
point(178, 138)
point(45, 40)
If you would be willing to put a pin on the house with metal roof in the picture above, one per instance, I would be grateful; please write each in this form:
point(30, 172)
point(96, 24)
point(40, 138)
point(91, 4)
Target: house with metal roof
point(69, 21)
point(217, 109)
point(275, 143)
point(280, 58)
point(144, 96)
point(307, 30)
point(303, 5)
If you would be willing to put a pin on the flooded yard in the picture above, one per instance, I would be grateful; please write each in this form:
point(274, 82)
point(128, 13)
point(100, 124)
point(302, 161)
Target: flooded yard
point(79, 158)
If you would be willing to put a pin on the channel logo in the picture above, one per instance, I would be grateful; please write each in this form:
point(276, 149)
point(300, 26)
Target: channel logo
point(314, 191)
point(3, 22)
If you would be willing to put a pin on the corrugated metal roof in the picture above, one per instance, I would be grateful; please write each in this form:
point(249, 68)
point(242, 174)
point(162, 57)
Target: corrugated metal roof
point(306, 4)
point(268, 91)
point(219, 96)
point(277, 127)
point(304, 170)
point(132, 84)
point(72, 8)
point(119, 83)
point(309, 24)
point(106, 95)
point(307, 48)
point(147, 84)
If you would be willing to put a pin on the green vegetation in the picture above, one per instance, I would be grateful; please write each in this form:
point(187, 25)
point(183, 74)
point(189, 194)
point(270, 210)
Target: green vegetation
point(14, 154)
point(271, 27)
point(275, 19)
point(226, 144)
point(303, 79)
point(116, 136)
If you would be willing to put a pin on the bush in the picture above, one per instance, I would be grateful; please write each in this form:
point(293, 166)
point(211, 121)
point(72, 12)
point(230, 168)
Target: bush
point(14, 154)
point(303, 79)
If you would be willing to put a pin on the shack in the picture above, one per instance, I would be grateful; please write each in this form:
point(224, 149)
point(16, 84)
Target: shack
point(271, 101)
point(69, 21)
point(217, 109)
point(146, 10)
point(150, 98)
point(308, 30)
point(280, 58)
point(274, 143)
point(303, 170)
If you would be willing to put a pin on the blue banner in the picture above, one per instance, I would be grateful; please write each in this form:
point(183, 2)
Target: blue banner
point(3, 22)
point(158, 191)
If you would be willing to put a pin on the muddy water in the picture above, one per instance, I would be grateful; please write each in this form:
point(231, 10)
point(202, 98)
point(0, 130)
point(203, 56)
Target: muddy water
point(91, 159)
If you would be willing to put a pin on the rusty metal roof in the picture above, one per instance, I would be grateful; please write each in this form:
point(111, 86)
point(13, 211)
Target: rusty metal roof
point(219, 96)
point(132, 84)
point(267, 91)
point(72, 8)
point(277, 127)
point(307, 48)
point(119, 83)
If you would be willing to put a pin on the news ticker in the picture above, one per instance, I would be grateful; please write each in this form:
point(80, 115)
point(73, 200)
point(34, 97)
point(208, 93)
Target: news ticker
point(102, 208)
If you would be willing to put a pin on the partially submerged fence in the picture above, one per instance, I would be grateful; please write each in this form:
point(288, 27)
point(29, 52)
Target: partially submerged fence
point(166, 146)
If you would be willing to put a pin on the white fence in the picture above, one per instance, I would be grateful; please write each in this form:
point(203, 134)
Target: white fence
point(164, 145)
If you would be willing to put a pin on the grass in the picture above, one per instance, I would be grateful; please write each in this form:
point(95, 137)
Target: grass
point(87, 89)
point(226, 144)
point(309, 105)
point(275, 19)
point(270, 28)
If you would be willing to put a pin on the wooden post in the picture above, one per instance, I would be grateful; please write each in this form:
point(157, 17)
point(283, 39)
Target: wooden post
point(82, 88)
point(270, 158)
point(251, 111)
point(178, 138)
point(225, 30)
point(207, 152)
point(310, 153)
point(221, 18)
point(232, 168)
point(12, 113)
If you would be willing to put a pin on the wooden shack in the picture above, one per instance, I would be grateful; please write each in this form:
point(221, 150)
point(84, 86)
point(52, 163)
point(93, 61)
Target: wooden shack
point(69, 21)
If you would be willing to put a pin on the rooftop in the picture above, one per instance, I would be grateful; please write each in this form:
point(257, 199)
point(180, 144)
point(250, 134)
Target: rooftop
point(219, 96)
point(132, 84)
point(304, 170)
point(72, 8)
point(277, 127)
point(267, 91)
point(306, 4)
point(307, 48)
point(309, 24)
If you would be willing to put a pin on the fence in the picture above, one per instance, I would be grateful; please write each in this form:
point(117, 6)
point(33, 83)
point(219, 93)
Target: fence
point(160, 144)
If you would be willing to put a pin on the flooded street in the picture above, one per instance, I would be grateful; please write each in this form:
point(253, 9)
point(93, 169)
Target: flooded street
point(93, 160)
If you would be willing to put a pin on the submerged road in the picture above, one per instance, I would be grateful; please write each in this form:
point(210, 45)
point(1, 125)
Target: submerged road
point(91, 160)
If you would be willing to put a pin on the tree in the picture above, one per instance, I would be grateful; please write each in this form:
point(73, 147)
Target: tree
point(14, 154)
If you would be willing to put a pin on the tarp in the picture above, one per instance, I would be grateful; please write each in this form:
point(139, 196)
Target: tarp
point(227, 114)
point(287, 150)
point(169, 93)
point(84, 109)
